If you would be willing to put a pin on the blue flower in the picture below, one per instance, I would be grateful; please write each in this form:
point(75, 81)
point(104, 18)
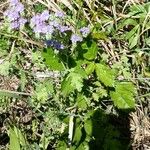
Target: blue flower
point(55, 44)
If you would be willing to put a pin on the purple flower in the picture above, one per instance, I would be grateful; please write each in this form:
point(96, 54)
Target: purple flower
point(44, 16)
point(35, 20)
point(76, 38)
point(59, 14)
point(22, 21)
point(85, 31)
point(14, 25)
point(63, 28)
point(54, 23)
point(19, 7)
point(12, 15)
point(50, 29)
point(13, 2)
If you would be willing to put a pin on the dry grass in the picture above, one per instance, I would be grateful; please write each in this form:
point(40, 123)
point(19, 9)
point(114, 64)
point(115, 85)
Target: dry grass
point(140, 128)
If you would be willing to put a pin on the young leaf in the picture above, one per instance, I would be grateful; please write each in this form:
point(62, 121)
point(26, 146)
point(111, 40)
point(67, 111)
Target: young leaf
point(123, 96)
point(105, 74)
point(52, 60)
point(90, 68)
point(91, 51)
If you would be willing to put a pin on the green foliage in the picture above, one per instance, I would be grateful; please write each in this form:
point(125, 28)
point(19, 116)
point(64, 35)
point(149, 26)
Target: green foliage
point(91, 51)
point(105, 75)
point(98, 78)
point(123, 96)
point(52, 60)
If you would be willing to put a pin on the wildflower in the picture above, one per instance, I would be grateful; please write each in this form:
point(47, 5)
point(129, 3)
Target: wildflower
point(22, 21)
point(35, 20)
point(85, 31)
point(12, 15)
point(59, 14)
point(19, 7)
point(45, 15)
point(63, 28)
point(14, 25)
point(55, 24)
point(50, 29)
point(76, 38)
point(14, 2)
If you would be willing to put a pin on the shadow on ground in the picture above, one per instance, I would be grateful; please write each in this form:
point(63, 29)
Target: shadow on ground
point(110, 132)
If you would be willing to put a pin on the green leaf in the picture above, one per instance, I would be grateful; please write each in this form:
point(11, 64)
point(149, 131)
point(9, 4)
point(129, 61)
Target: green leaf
point(128, 21)
point(91, 51)
point(88, 126)
point(77, 135)
point(123, 96)
point(43, 90)
point(21, 138)
point(61, 145)
point(90, 68)
point(76, 80)
point(81, 102)
point(14, 140)
point(4, 68)
point(105, 74)
point(52, 60)
point(66, 86)
point(134, 39)
point(132, 32)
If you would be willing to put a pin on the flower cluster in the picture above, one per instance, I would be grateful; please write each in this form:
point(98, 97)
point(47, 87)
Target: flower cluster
point(55, 44)
point(46, 23)
point(39, 23)
point(77, 37)
point(14, 14)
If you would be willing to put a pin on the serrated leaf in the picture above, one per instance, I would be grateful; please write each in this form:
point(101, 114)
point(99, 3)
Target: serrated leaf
point(52, 60)
point(76, 81)
point(123, 96)
point(14, 141)
point(105, 74)
point(43, 90)
point(66, 86)
point(91, 51)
